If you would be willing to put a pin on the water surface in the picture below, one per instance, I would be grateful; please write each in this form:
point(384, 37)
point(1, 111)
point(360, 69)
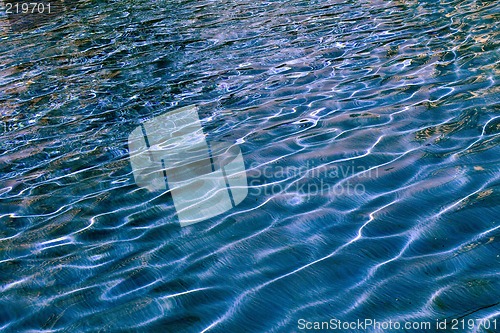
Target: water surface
point(391, 106)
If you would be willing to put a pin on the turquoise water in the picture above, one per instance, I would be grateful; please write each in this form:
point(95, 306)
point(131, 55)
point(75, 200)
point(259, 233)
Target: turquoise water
point(370, 132)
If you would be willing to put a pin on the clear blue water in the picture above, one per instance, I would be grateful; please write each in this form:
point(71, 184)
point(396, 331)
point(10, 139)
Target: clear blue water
point(398, 98)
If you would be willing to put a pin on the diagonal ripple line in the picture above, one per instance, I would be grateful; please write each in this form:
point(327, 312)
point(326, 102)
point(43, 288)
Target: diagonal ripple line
point(240, 298)
point(478, 139)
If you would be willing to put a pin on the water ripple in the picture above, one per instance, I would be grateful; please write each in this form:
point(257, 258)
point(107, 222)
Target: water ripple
point(370, 132)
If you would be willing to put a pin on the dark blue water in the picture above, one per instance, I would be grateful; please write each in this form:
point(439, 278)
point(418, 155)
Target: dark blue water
point(371, 136)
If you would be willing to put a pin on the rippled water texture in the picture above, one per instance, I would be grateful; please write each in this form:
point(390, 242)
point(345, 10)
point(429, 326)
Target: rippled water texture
point(392, 107)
